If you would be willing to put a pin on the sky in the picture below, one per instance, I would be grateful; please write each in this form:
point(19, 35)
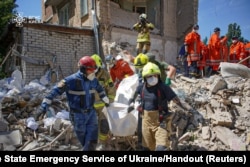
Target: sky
point(211, 14)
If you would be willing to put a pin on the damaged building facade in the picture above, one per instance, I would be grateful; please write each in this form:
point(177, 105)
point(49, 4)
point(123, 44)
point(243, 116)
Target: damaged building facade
point(70, 29)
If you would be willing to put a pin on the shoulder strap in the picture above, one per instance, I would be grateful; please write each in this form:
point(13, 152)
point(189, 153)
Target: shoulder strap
point(158, 95)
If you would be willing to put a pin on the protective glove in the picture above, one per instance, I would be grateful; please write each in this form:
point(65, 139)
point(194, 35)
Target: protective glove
point(106, 101)
point(168, 81)
point(41, 111)
point(111, 84)
point(130, 101)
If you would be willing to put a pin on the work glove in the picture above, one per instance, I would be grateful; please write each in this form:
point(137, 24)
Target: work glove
point(168, 81)
point(107, 104)
point(106, 101)
point(111, 84)
point(41, 111)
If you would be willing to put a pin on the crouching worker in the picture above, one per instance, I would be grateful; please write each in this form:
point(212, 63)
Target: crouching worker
point(80, 88)
point(155, 96)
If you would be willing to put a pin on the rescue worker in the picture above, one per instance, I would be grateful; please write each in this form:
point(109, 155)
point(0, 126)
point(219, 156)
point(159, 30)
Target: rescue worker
point(139, 62)
point(106, 82)
point(143, 28)
point(167, 71)
point(80, 88)
point(119, 69)
point(224, 49)
point(215, 51)
point(181, 57)
point(201, 64)
point(237, 51)
point(155, 96)
point(192, 44)
point(247, 52)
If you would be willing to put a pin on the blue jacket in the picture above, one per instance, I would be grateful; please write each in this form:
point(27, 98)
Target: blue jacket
point(79, 90)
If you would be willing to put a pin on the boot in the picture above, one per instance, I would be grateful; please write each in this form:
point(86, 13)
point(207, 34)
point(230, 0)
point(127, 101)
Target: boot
point(101, 146)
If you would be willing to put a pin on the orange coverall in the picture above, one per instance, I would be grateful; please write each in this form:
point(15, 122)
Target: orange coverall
point(119, 71)
point(237, 53)
point(202, 63)
point(215, 51)
point(247, 49)
point(193, 43)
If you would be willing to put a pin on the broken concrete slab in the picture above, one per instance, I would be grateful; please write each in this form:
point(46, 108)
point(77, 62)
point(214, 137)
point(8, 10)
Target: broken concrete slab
point(11, 138)
point(230, 139)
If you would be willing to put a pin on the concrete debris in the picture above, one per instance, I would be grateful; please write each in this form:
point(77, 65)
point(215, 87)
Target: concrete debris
point(214, 116)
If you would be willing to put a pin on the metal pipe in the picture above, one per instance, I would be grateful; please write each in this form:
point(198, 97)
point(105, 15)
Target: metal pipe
point(95, 26)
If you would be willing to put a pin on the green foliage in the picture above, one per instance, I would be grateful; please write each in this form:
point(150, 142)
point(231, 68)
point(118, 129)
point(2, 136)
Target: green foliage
point(234, 30)
point(7, 8)
point(205, 40)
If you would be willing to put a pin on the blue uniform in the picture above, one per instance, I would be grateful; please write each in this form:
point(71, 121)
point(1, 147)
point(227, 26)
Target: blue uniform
point(80, 95)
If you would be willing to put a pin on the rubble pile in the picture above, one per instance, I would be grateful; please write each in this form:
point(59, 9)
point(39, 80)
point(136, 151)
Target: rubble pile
point(214, 116)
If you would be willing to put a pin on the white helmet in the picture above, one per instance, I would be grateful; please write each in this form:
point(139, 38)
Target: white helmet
point(143, 16)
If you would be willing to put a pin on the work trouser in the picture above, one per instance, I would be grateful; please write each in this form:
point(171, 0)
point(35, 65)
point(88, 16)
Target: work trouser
point(193, 69)
point(103, 126)
point(85, 128)
point(142, 47)
point(154, 136)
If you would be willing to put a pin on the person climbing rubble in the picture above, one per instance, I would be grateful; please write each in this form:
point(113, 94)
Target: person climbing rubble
point(80, 88)
point(106, 82)
point(143, 28)
point(118, 69)
point(156, 119)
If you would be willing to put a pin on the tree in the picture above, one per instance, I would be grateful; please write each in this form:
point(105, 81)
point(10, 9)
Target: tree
point(234, 30)
point(7, 8)
point(205, 40)
point(7, 11)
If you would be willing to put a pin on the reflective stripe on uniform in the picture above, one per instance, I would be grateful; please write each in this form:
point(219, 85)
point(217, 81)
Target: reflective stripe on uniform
point(80, 92)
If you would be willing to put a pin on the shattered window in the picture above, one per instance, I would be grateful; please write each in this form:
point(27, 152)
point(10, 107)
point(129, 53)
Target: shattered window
point(64, 15)
point(84, 7)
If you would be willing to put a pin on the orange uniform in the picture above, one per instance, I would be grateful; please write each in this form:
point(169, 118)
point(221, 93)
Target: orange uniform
point(237, 52)
point(224, 50)
point(247, 52)
point(119, 71)
point(193, 41)
point(215, 51)
point(202, 63)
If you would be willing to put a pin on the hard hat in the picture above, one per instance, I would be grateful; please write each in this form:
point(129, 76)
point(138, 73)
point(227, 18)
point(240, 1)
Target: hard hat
point(87, 63)
point(143, 16)
point(109, 59)
point(98, 60)
point(216, 29)
point(196, 27)
point(150, 69)
point(140, 60)
point(151, 57)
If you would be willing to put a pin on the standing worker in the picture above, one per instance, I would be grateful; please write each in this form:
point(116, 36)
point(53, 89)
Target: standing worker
point(119, 69)
point(192, 44)
point(80, 88)
point(215, 51)
point(247, 51)
point(155, 96)
point(237, 51)
point(167, 71)
point(139, 62)
point(105, 81)
point(143, 28)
